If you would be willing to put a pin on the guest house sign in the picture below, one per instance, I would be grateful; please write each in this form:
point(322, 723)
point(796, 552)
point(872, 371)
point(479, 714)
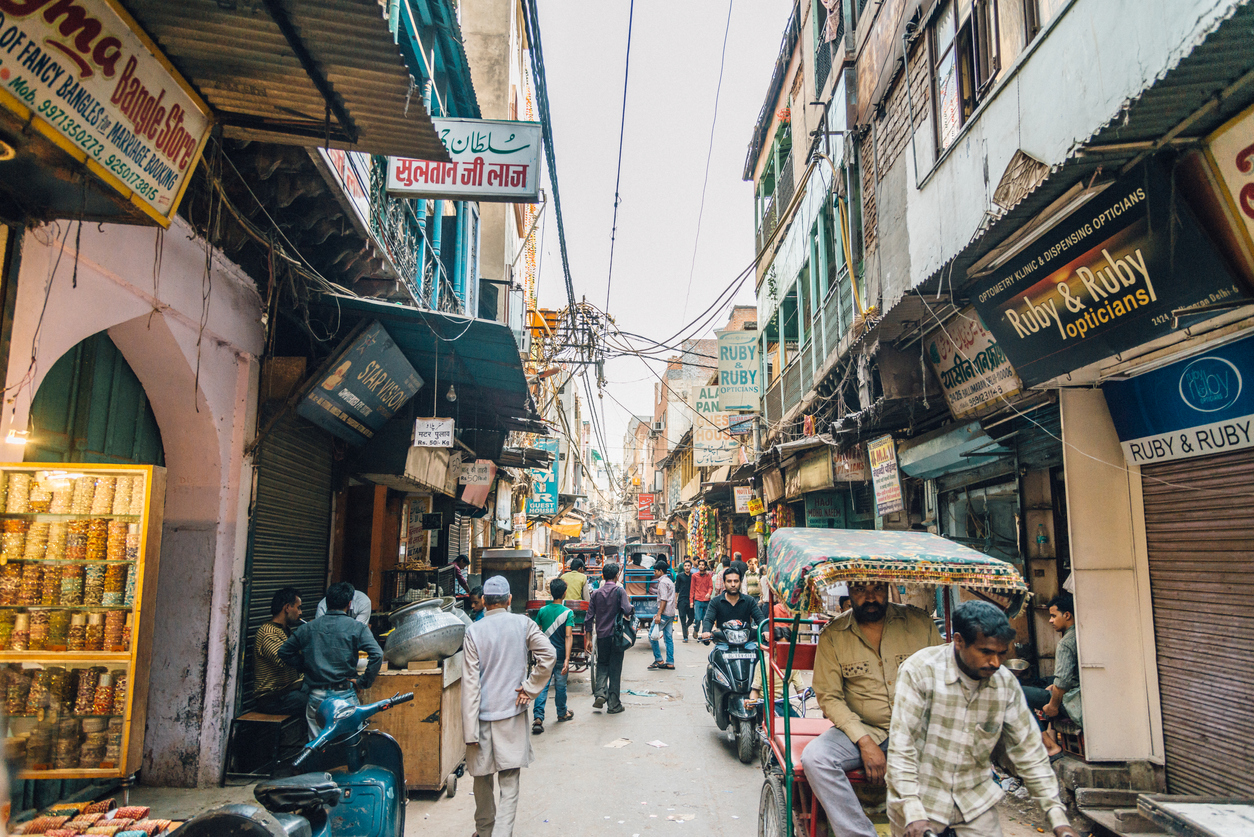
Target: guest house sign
point(88, 78)
point(489, 161)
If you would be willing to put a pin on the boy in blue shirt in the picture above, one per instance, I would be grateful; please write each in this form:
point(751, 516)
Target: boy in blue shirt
point(555, 620)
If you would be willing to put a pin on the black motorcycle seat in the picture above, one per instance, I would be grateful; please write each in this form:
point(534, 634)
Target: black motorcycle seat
point(298, 793)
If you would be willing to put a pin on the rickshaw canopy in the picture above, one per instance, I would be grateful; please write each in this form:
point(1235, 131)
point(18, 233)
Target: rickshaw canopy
point(801, 563)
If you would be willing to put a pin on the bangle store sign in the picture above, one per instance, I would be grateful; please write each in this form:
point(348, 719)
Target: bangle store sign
point(1103, 280)
point(85, 77)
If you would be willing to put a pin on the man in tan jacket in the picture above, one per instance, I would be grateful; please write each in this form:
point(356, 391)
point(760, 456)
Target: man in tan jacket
point(495, 694)
point(855, 677)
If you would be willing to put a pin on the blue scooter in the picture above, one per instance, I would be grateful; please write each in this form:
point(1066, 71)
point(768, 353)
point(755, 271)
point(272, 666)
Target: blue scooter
point(357, 788)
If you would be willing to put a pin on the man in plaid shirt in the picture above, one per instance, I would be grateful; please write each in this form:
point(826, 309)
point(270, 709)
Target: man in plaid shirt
point(954, 704)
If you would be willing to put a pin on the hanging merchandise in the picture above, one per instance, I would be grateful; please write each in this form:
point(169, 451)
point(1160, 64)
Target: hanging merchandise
point(703, 540)
point(780, 517)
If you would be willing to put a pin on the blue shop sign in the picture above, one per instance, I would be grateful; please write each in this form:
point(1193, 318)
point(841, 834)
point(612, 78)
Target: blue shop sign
point(361, 386)
point(543, 499)
point(1195, 407)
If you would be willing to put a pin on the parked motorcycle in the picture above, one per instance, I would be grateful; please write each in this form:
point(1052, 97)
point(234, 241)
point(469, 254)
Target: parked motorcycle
point(356, 789)
point(728, 683)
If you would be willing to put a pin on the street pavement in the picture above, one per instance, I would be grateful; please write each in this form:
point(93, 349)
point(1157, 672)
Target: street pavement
point(692, 787)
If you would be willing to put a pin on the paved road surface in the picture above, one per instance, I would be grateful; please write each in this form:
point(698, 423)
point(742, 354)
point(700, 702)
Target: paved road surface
point(577, 786)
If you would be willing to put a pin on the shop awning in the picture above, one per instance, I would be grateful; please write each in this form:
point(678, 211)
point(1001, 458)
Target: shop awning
point(296, 72)
point(947, 450)
point(479, 359)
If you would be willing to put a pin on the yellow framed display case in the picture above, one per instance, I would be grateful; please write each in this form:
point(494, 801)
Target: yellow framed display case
point(79, 555)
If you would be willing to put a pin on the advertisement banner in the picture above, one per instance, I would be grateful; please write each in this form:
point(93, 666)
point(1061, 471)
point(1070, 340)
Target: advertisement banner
point(739, 371)
point(491, 160)
point(712, 444)
point(1103, 280)
point(1231, 152)
point(883, 456)
point(433, 433)
point(1194, 407)
point(86, 76)
point(644, 507)
point(743, 494)
point(756, 506)
point(361, 388)
point(543, 499)
point(972, 370)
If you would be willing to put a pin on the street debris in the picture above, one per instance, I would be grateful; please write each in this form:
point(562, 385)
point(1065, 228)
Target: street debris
point(658, 744)
point(618, 742)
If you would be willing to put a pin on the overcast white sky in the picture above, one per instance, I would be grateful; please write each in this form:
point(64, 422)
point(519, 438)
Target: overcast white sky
point(675, 52)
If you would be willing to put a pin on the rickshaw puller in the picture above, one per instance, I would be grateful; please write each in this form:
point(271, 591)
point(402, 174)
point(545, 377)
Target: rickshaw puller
point(855, 675)
point(955, 704)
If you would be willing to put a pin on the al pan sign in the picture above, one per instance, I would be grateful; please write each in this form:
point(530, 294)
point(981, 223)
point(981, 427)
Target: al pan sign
point(1194, 407)
point(87, 78)
point(491, 161)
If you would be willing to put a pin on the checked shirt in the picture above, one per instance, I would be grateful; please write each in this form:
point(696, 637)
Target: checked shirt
point(940, 743)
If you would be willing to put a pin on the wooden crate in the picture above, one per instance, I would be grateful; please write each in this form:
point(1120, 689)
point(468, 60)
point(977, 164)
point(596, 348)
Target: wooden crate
point(428, 728)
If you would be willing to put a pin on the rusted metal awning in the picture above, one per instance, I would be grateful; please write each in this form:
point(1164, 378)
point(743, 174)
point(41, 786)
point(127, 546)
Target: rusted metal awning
point(296, 72)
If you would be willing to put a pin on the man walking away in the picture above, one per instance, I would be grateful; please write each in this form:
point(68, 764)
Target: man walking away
point(555, 620)
point(577, 586)
point(278, 687)
point(495, 692)
point(955, 704)
point(855, 674)
point(606, 604)
point(683, 595)
point(326, 651)
point(702, 591)
point(666, 609)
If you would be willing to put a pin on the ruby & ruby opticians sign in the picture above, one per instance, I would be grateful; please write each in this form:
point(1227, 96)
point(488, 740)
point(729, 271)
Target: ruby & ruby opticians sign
point(86, 77)
point(1103, 280)
point(489, 161)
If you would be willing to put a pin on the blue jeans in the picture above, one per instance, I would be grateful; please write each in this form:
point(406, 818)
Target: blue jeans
point(700, 607)
point(667, 623)
point(558, 681)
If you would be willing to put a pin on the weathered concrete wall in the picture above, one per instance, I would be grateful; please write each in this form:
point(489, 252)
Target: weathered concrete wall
point(153, 316)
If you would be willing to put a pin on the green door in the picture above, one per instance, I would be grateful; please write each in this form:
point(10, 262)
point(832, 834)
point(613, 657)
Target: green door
point(91, 408)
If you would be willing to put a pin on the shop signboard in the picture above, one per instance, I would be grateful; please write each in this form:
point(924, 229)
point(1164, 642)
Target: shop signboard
point(644, 507)
point(87, 77)
point(825, 510)
point(1195, 407)
point(970, 366)
point(740, 425)
point(361, 387)
point(756, 506)
point(712, 443)
point(543, 499)
point(743, 494)
point(739, 371)
point(477, 472)
point(489, 160)
point(850, 465)
point(417, 536)
point(1103, 280)
point(433, 433)
point(883, 456)
point(1231, 153)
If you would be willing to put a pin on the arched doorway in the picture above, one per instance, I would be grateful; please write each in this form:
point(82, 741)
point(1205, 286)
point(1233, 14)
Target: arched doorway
point(92, 408)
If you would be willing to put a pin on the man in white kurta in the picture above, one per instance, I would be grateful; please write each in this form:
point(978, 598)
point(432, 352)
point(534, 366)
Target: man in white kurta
point(495, 694)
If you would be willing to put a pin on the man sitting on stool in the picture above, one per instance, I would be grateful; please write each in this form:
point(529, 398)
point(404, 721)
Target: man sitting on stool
point(1061, 698)
point(279, 688)
point(855, 676)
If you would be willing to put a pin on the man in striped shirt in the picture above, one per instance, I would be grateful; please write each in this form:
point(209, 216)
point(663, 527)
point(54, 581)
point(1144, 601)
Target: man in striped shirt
point(278, 688)
point(954, 703)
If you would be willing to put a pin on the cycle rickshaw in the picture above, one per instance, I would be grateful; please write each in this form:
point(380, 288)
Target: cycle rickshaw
point(802, 567)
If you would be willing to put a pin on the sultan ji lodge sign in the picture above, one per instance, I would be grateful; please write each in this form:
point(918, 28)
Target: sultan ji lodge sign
point(489, 161)
point(1103, 280)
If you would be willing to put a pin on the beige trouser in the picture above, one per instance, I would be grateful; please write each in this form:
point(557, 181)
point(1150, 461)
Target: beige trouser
point(985, 825)
point(492, 820)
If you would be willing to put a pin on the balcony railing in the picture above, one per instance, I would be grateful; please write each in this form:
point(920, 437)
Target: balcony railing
point(776, 203)
point(774, 402)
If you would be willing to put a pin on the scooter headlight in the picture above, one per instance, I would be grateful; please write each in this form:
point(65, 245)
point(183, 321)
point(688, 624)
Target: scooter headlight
point(718, 675)
point(735, 637)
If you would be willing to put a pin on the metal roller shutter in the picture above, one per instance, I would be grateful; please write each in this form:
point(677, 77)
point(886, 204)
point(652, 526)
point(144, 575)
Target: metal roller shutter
point(1200, 534)
point(291, 528)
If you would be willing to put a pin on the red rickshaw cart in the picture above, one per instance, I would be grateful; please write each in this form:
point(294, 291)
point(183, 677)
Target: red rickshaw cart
point(802, 565)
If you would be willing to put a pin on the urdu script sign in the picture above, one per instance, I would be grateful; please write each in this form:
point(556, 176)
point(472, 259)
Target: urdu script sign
point(490, 160)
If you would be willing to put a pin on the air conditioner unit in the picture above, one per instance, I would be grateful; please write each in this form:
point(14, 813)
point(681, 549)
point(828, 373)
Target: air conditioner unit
point(659, 426)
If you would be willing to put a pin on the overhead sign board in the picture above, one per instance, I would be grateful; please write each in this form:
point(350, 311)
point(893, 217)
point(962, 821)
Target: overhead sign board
point(739, 371)
point(490, 160)
point(644, 507)
point(87, 77)
point(971, 368)
point(433, 433)
point(883, 455)
point(712, 444)
point(1194, 407)
point(361, 388)
point(1103, 280)
point(543, 499)
point(1231, 152)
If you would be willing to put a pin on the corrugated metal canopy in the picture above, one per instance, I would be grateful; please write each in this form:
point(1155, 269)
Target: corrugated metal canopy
point(264, 68)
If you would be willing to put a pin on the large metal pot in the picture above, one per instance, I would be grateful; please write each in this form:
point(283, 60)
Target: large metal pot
point(423, 631)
